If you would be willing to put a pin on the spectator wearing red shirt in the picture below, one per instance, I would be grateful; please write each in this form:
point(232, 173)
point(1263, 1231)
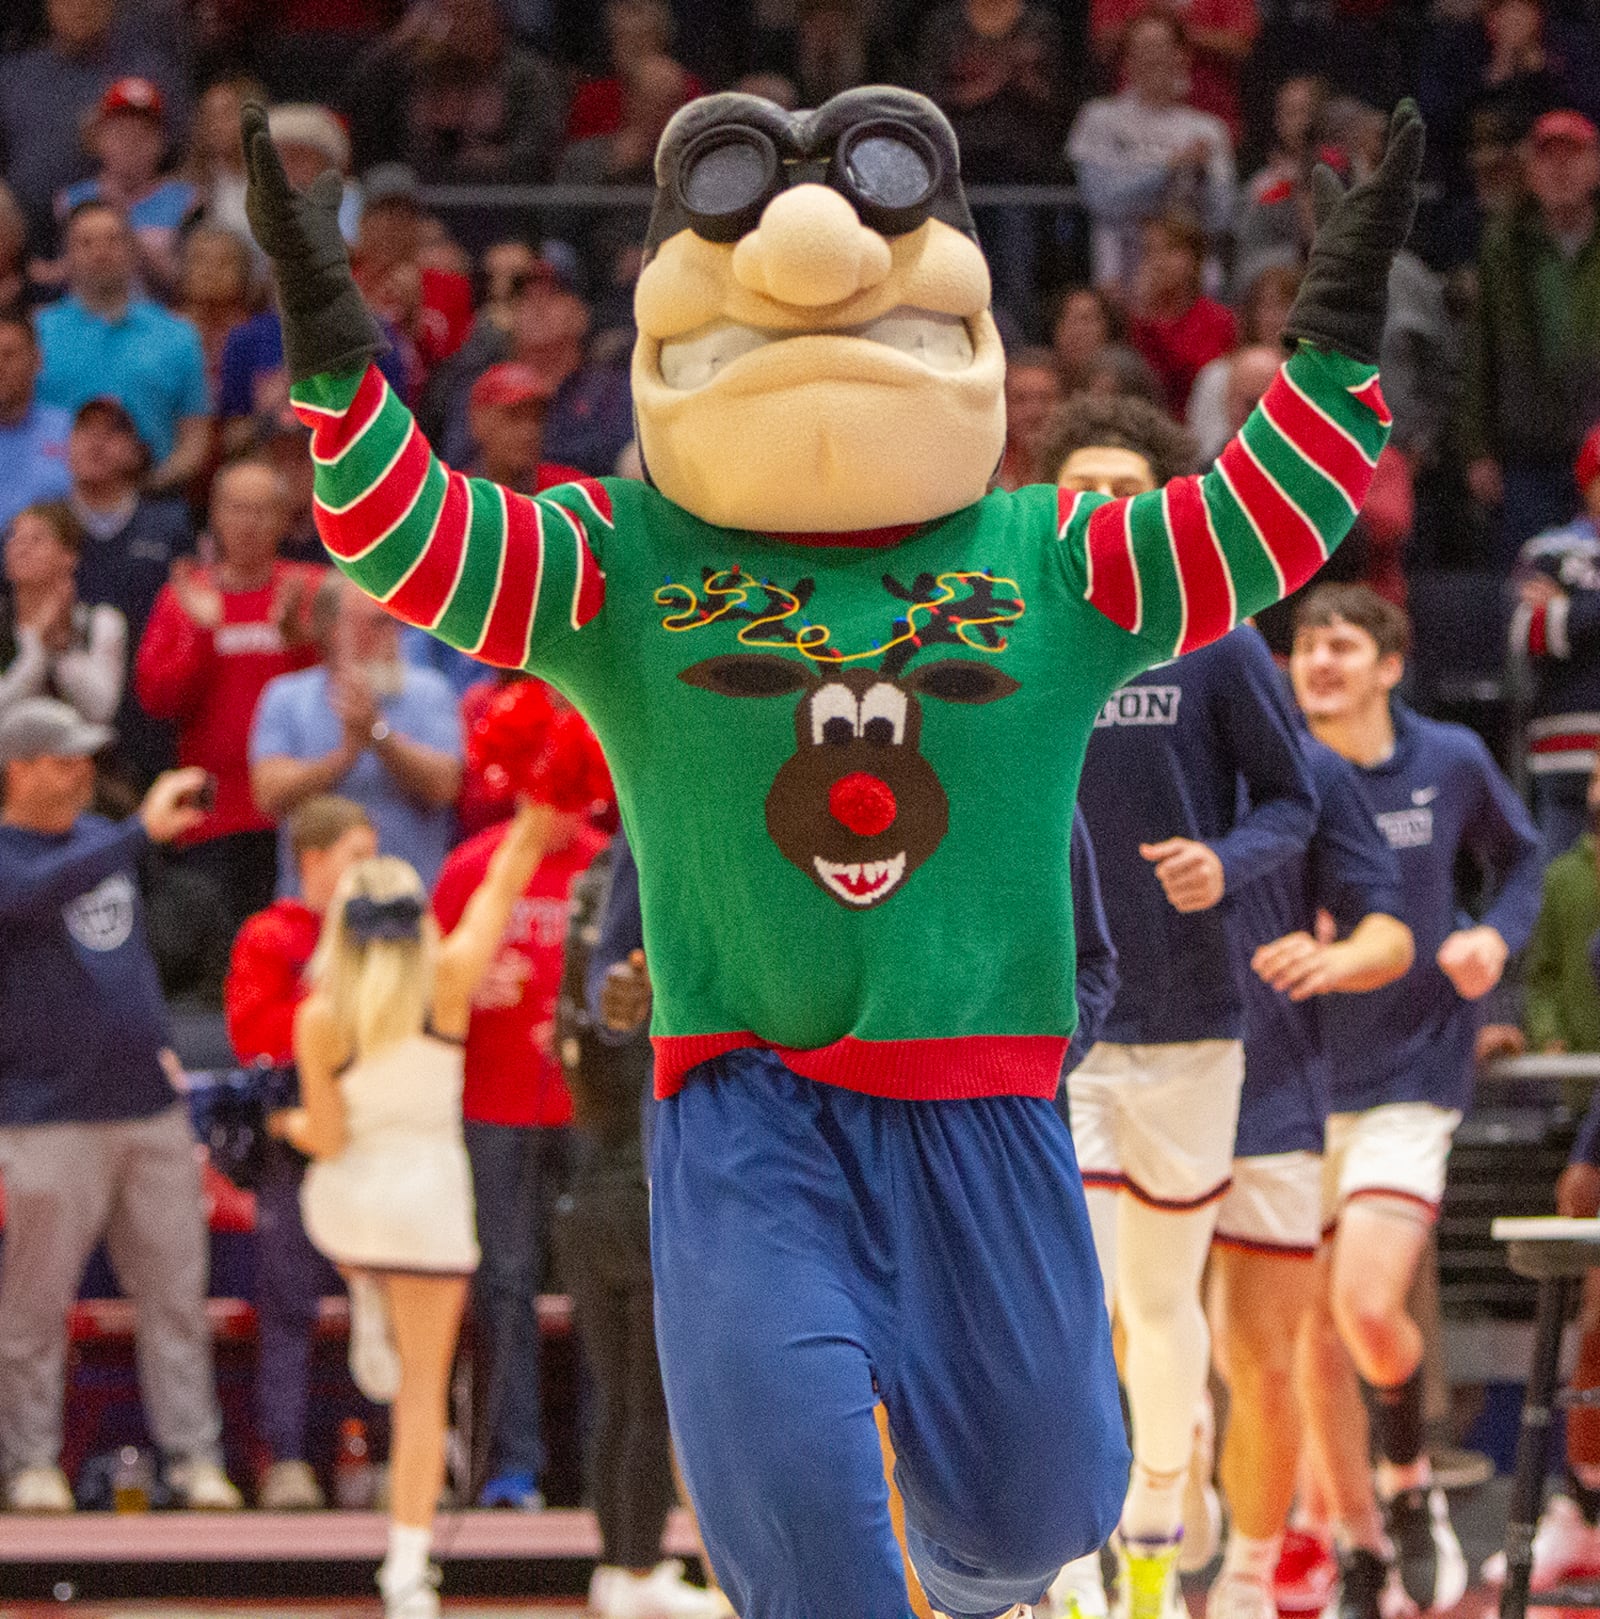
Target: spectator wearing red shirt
point(217, 634)
point(507, 409)
point(264, 986)
point(430, 306)
point(636, 32)
point(1217, 33)
point(516, 1111)
point(1175, 327)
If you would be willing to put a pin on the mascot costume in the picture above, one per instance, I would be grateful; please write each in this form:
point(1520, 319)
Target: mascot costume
point(845, 691)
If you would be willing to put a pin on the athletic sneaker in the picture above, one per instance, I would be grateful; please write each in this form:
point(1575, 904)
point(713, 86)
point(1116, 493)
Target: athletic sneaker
point(374, 1360)
point(1237, 1596)
point(1147, 1579)
point(1307, 1573)
point(1433, 1568)
point(1079, 1591)
point(201, 1486)
point(39, 1489)
point(516, 1489)
point(290, 1487)
point(663, 1593)
point(1566, 1547)
point(1363, 1581)
point(1202, 1506)
point(417, 1599)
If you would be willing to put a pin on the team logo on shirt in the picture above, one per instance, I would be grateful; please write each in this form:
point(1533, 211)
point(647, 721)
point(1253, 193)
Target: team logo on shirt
point(1406, 828)
point(102, 919)
point(856, 807)
point(1141, 705)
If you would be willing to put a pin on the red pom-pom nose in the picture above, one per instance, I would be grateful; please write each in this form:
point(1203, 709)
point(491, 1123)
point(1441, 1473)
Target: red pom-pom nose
point(863, 803)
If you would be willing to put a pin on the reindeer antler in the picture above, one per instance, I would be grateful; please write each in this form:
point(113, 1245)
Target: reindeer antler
point(934, 614)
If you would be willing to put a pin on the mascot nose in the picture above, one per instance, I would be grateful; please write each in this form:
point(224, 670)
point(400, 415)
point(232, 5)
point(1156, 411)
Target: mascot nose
point(810, 249)
point(863, 804)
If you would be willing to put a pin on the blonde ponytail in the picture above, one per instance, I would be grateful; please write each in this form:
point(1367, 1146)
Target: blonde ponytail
point(379, 988)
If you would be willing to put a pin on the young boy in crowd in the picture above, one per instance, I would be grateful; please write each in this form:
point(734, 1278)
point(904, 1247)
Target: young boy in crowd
point(1402, 1060)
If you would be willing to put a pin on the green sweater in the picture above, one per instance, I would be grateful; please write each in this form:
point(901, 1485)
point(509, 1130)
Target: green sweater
point(848, 770)
point(1563, 1003)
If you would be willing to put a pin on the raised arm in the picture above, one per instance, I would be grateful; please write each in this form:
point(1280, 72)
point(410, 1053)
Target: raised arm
point(486, 570)
point(1180, 566)
point(466, 952)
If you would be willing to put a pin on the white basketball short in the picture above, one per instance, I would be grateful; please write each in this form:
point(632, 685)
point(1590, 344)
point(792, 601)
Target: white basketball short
point(1158, 1121)
point(1398, 1151)
point(1274, 1205)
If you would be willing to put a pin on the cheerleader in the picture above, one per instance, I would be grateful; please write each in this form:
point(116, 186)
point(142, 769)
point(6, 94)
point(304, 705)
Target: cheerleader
point(388, 1197)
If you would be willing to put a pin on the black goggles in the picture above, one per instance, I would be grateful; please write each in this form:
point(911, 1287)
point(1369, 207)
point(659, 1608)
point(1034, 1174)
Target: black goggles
point(888, 170)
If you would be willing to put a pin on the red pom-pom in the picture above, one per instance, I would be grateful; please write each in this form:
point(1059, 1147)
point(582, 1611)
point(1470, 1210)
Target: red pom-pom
point(530, 744)
point(865, 804)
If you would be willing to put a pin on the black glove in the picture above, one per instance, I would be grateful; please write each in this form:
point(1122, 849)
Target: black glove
point(326, 323)
point(1344, 297)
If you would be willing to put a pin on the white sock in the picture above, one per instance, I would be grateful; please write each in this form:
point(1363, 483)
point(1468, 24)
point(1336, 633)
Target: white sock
point(1154, 1508)
point(1251, 1559)
point(407, 1562)
point(1394, 1479)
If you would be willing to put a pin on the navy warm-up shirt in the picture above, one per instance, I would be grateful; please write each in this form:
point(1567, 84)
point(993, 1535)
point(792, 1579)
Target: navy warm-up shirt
point(1169, 756)
point(1347, 870)
point(82, 1021)
point(1439, 795)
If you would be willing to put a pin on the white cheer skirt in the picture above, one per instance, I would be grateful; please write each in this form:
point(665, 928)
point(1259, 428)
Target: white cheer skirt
point(400, 1201)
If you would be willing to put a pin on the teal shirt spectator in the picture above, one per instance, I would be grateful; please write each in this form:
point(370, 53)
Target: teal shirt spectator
point(148, 359)
point(295, 720)
point(33, 460)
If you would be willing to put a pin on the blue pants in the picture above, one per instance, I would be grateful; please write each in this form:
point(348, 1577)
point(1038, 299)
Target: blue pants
point(516, 1174)
point(816, 1251)
point(291, 1280)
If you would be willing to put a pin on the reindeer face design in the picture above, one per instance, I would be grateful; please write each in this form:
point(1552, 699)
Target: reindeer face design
point(856, 806)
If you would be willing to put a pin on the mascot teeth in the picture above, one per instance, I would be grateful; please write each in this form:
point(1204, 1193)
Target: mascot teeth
point(861, 883)
point(940, 342)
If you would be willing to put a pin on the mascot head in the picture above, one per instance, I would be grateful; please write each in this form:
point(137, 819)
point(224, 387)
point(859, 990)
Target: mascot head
point(815, 352)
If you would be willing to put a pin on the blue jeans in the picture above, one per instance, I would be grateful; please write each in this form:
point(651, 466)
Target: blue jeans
point(291, 1279)
point(816, 1251)
point(516, 1174)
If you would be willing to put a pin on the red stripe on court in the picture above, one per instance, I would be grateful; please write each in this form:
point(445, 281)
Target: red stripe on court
point(352, 531)
point(1287, 535)
point(427, 590)
point(333, 433)
point(1202, 572)
point(1318, 439)
point(505, 642)
point(1113, 583)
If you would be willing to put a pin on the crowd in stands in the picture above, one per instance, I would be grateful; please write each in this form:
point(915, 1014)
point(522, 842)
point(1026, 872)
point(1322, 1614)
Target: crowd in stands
point(162, 574)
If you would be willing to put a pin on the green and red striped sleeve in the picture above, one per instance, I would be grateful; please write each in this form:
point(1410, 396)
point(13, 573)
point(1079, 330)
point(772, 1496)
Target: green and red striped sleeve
point(1182, 565)
point(500, 575)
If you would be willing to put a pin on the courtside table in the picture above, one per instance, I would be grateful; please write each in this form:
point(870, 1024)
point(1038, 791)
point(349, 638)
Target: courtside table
point(1554, 1252)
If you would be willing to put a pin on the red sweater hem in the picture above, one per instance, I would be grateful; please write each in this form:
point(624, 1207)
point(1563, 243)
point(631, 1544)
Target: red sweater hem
point(948, 1070)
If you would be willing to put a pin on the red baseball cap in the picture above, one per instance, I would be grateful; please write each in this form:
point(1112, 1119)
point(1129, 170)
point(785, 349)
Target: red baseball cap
point(1587, 467)
point(132, 95)
point(1565, 125)
point(511, 383)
